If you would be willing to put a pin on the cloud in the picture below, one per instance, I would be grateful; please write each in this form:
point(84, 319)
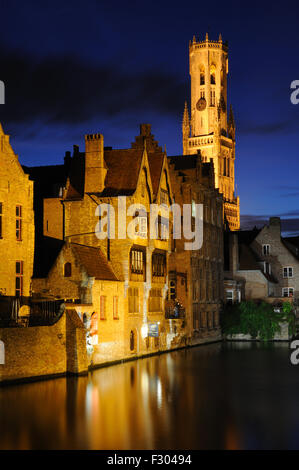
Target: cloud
point(270, 128)
point(67, 90)
point(289, 226)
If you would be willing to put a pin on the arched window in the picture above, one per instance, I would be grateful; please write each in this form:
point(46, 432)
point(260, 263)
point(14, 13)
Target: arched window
point(202, 75)
point(132, 341)
point(67, 270)
point(213, 74)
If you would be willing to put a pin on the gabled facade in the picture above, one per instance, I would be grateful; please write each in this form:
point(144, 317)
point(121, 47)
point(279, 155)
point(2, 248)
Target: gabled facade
point(16, 226)
point(266, 263)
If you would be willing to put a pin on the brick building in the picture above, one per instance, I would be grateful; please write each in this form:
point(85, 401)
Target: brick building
point(16, 231)
point(196, 276)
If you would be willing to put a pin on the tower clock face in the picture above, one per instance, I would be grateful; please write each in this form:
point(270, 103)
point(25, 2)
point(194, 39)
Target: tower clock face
point(201, 104)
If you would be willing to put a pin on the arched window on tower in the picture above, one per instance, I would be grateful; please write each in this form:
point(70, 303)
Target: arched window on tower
point(222, 77)
point(202, 75)
point(213, 74)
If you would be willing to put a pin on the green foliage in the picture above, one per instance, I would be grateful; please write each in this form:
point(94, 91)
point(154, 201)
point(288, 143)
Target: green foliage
point(257, 319)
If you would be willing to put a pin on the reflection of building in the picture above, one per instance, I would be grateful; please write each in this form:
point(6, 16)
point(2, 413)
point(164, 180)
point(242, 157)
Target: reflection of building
point(263, 264)
point(208, 129)
point(16, 227)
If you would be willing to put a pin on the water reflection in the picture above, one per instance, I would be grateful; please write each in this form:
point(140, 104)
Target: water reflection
point(239, 395)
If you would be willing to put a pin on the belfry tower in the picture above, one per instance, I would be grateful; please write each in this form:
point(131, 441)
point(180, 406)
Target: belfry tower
point(207, 128)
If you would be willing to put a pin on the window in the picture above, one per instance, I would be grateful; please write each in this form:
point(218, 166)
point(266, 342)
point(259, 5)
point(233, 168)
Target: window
point(1, 213)
point(132, 341)
point(158, 264)
point(163, 197)
point(67, 270)
point(141, 226)
point(19, 278)
point(155, 300)
point(213, 75)
point(19, 222)
point(202, 93)
point(266, 249)
point(267, 268)
point(103, 307)
point(202, 75)
point(133, 299)
point(163, 228)
point(115, 307)
point(172, 290)
point(229, 296)
point(213, 98)
point(288, 271)
point(137, 259)
point(288, 292)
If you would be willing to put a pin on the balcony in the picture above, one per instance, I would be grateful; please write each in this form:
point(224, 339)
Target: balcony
point(174, 310)
point(26, 311)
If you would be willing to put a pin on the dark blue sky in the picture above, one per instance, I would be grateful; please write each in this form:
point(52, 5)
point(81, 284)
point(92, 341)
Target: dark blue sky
point(73, 67)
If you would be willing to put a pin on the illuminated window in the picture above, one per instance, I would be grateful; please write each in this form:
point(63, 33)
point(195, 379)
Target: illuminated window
point(202, 75)
point(103, 307)
point(155, 300)
point(213, 99)
point(288, 271)
point(1, 213)
point(19, 278)
point(163, 197)
point(115, 307)
point(67, 270)
point(137, 261)
point(133, 299)
point(141, 226)
point(19, 223)
point(158, 264)
point(213, 75)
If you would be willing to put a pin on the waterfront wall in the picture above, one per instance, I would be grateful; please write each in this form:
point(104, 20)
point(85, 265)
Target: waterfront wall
point(44, 350)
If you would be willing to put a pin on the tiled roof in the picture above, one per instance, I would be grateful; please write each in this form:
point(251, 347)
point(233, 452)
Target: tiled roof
point(94, 262)
point(123, 170)
point(155, 163)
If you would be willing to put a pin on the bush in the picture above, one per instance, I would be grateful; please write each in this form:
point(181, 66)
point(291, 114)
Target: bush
point(256, 319)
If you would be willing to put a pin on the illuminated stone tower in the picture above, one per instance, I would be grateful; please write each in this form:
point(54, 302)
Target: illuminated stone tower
point(208, 129)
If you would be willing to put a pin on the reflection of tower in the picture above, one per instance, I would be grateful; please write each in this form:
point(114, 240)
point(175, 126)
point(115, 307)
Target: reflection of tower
point(208, 129)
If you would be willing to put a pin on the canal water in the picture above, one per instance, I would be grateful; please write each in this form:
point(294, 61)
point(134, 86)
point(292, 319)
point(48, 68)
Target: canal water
point(217, 396)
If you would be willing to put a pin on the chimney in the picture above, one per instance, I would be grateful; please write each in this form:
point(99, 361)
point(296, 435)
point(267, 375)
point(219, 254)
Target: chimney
point(275, 227)
point(95, 170)
point(233, 252)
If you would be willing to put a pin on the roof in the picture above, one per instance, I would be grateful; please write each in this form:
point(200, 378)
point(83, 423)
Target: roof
point(94, 262)
point(123, 171)
point(155, 161)
point(183, 162)
point(247, 236)
point(248, 260)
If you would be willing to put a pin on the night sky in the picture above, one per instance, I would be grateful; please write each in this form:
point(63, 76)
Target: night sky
point(73, 67)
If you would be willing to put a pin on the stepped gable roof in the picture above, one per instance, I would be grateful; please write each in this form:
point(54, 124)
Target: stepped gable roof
point(94, 262)
point(123, 170)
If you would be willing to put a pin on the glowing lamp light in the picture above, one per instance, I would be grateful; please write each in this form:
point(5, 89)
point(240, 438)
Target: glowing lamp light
point(144, 330)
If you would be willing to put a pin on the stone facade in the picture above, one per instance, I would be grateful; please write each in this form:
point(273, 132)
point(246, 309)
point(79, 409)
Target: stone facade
point(208, 129)
point(264, 262)
point(16, 224)
point(196, 275)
